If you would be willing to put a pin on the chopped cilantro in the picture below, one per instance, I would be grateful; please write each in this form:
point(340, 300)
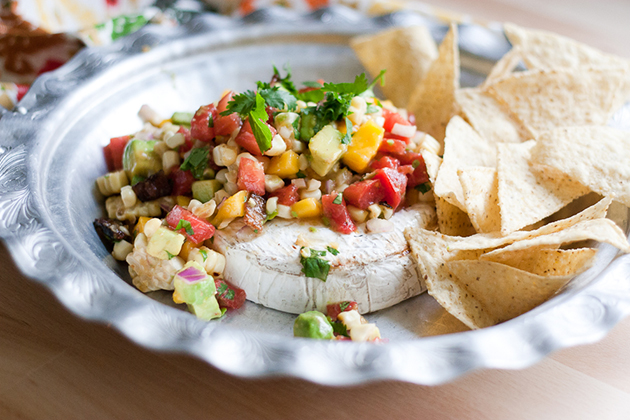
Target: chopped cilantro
point(185, 224)
point(229, 295)
point(294, 214)
point(415, 163)
point(424, 187)
point(204, 254)
point(344, 305)
point(210, 121)
point(170, 256)
point(196, 162)
point(339, 328)
point(300, 174)
point(312, 229)
point(296, 128)
point(257, 118)
point(277, 98)
point(314, 266)
point(372, 109)
point(326, 221)
point(222, 288)
point(347, 139)
point(311, 95)
point(332, 250)
point(338, 199)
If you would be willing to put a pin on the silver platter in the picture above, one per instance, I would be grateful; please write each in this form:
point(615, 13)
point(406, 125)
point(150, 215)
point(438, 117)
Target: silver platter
point(51, 153)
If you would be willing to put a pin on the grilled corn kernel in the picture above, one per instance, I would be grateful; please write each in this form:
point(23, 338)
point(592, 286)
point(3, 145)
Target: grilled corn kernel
point(128, 196)
point(357, 214)
point(224, 155)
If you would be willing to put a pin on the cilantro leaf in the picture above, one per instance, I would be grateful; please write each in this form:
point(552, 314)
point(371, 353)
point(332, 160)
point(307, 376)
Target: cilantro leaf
point(286, 81)
point(204, 254)
point(424, 187)
point(314, 266)
point(332, 250)
point(339, 328)
point(300, 174)
point(347, 138)
point(359, 85)
point(222, 288)
point(196, 162)
point(315, 95)
point(380, 77)
point(170, 256)
point(185, 224)
point(229, 295)
point(313, 84)
point(257, 117)
point(371, 109)
point(277, 98)
point(243, 103)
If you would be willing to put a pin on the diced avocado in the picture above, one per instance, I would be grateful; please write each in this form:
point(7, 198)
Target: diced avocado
point(193, 284)
point(307, 125)
point(204, 190)
point(182, 118)
point(140, 160)
point(208, 173)
point(165, 244)
point(206, 310)
point(326, 149)
point(313, 324)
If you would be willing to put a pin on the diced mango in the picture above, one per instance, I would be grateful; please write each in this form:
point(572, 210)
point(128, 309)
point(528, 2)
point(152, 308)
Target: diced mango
point(364, 146)
point(186, 248)
point(231, 208)
point(142, 220)
point(285, 165)
point(326, 149)
point(308, 207)
point(183, 201)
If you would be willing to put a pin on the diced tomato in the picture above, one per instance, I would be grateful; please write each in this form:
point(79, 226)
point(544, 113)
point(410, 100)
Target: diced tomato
point(392, 145)
point(246, 140)
point(21, 91)
point(198, 231)
point(251, 176)
point(408, 157)
point(363, 194)
point(229, 296)
point(394, 184)
point(392, 118)
point(182, 182)
point(107, 154)
point(337, 214)
point(419, 175)
point(334, 309)
point(287, 196)
point(385, 162)
point(188, 143)
point(406, 169)
point(201, 125)
point(225, 125)
point(114, 151)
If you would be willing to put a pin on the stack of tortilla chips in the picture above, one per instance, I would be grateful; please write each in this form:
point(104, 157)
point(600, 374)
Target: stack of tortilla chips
point(515, 150)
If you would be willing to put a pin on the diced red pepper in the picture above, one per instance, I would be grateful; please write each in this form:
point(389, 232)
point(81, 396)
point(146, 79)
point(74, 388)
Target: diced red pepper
point(182, 181)
point(337, 214)
point(394, 184)
point(21, 91)
point(334, 309)
point(199, 229)
point(201, 125)
point(385, 162)
point(246, 140)
point(392, 145)
point(287, 196)
point(363, 194)
point(251, 176)
point(225, 125)
point(229, 296)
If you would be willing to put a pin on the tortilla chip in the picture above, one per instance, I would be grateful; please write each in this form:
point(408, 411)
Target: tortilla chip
point(491, 293)
point(480, 187)
point(432, 162)
point(546, 50)
point(406, 53)
point(490, 118)
point(598, 157)
point(504, 67)
point(600, 230)
point(526, 196)
point(451, 220)
point(544, 100)
point(544, 261)
point(432, 101)
point(463, 148)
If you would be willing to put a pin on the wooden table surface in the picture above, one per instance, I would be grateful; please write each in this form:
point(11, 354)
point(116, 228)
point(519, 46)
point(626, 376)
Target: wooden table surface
point(56, 366)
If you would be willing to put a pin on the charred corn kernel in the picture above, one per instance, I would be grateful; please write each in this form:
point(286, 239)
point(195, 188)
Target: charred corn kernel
point(386, 212)
point(121, 250)
point(128, 196)
point(231, 208)
point(113, 182)
point(175, 140)
point(160, 148)
point(375, 211)
point(151, 226)
point(308, 207)
point(365, 144)
point(186, 248)
point(211, 261)
point(357, 214)
point(142, 221)
point(285, 166)
point(183, 201)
